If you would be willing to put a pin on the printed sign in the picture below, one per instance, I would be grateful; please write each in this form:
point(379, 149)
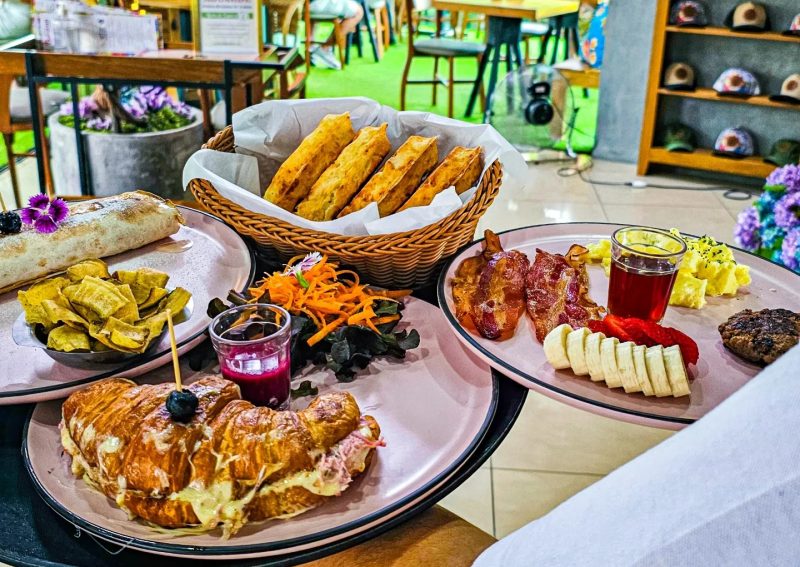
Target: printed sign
point(229, 26)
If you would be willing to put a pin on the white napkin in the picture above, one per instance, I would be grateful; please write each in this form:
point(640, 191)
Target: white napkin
point(267, 133)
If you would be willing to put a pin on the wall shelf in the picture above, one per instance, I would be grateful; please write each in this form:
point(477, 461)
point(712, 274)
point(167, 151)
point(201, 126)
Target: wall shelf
point(705, 159)
point(650, 152)
point(704, 93)
point(725, 32)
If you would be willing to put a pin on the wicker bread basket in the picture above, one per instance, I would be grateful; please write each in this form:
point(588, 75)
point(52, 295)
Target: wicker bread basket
point(400, 260)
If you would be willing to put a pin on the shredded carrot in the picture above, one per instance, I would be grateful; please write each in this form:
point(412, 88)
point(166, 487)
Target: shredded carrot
point(327, 298)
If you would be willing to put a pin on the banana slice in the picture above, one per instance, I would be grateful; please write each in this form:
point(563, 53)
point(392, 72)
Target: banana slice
point(625, 368)
point(576, 351)
point(640, 366)
point(608, 358)
point(555, 347)
point(676, 371)
point(592, 356)
point(654, 359)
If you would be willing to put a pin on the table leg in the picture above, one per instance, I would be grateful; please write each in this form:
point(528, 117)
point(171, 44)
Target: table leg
point(492, 82)
point(369, 30)
point(478, 81)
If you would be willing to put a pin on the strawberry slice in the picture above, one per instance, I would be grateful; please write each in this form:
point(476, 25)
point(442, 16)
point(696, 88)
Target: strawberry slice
point(615, 327)
point(637, 331)
point(668, 336)
point(597, 326)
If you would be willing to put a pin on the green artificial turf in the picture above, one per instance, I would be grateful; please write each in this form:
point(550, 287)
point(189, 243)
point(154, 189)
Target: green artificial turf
point(381, 81)
point(23, 142)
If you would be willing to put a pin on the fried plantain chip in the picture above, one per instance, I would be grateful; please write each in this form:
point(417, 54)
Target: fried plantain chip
point(96, 268)
point(128, 312)
point(156, 295)
point(31, 299)
point(155, 324)
point(176, 301)
point(120, 335)
point(142, 281)
point(100, 296)
point(68, 339)
point(57, 313)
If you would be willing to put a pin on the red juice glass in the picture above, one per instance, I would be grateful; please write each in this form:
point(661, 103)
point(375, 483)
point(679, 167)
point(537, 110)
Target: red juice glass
point(644, 264)
point(252, 343)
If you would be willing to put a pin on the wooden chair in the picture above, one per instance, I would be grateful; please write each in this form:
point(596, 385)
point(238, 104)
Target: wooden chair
point(283, 18)
point(15, 116)
point(465, 19)
point(438, 48)
point(537, 31)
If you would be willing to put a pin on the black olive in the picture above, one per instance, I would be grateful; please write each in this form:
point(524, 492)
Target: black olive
point(10, 223)
point(181, 405)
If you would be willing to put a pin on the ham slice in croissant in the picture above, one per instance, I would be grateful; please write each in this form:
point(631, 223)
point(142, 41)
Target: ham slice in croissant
point(231, 463)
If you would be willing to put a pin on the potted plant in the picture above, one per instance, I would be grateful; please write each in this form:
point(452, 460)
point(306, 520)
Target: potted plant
point(771, 226)
point(134, 138)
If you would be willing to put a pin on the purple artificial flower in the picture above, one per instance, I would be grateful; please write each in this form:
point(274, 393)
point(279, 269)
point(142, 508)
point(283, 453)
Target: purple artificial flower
point(765, 204)
point(45, 215)
point(99, 123)
point(787, 211)
point(787, 176)
point(790, 251)
point(747, 230)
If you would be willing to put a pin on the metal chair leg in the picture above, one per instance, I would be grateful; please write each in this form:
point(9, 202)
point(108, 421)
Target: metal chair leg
point(435, 79)
point(8, 139)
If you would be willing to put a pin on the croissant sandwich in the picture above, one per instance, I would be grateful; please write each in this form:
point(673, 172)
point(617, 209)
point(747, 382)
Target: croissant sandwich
point(232, 463)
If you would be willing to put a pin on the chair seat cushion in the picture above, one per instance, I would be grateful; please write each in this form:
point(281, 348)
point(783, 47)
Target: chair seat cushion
point(448, 47)
point(532, 29)
point(332, 9)
point(20, 104)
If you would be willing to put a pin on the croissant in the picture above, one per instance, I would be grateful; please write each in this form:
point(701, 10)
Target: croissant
point(230, 464)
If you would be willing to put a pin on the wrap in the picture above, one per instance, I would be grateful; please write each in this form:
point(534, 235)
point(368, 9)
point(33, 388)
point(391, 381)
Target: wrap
point(305, 165)
point(93, 229)
point(398, 178)
point(460, 169)
point(348, 173)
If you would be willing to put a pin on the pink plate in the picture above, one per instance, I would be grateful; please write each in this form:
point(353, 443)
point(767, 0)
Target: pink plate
point(205, 256)
point(717, 375)
point(433, 408)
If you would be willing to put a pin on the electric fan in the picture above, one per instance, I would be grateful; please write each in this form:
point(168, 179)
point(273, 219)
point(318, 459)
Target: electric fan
point(533, 108)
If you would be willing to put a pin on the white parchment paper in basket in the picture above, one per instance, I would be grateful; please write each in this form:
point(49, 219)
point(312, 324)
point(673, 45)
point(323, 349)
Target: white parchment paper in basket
point(267, 133)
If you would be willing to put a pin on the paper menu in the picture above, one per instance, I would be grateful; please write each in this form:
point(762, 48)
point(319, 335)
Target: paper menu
point(229, 26)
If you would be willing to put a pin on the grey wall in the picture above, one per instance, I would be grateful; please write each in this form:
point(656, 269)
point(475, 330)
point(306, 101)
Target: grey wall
point(629, 30)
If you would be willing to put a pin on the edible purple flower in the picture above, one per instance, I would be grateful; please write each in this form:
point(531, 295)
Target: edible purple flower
point(765, 204)
point(787, 211)
point(45, 215)
point(787, 176)
point(747, 230)
point(790, 251)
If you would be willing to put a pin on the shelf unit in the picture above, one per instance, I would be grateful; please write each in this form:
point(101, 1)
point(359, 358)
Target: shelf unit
point(704, 159)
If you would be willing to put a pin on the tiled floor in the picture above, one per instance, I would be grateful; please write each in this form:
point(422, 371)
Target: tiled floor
point(555, 450)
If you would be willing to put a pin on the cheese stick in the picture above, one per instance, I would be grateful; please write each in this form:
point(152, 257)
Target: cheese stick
point(337, 185)
point(460, 169)
point(397, 179)
point(305, 165)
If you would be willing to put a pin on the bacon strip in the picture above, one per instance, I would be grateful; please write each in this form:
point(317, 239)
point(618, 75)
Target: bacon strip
point(557, 290)
point(488, 290)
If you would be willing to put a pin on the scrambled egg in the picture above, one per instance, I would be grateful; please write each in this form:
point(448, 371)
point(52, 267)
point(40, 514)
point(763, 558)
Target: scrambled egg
point(708, 269)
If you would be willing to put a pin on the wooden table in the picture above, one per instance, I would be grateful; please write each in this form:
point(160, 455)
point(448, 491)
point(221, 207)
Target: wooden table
point(238, 76)
point(503, 29)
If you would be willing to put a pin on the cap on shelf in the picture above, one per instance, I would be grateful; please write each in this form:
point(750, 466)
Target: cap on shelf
point(679, 77)
point(737, 82)
point(790, 90)
point(794, 27)
point(784, 152)
point(734, 142)
point(689, 13)
point(679, 138)
point(748, 17)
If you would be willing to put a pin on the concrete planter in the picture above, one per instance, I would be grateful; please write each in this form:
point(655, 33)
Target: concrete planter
point(125, 162)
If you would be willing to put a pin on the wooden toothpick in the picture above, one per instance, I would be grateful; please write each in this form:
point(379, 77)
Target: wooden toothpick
point(175, 364)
